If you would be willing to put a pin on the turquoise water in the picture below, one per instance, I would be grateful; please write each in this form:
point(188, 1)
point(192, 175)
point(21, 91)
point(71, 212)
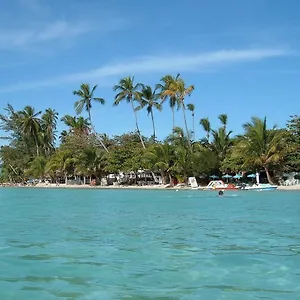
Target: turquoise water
point(133, 244)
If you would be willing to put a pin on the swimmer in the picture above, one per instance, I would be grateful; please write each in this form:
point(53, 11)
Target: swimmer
point(221, 193)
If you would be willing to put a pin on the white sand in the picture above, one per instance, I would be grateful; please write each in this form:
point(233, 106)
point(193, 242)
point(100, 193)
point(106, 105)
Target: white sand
point(289, 187)
point(145, 187)
point(76, 186)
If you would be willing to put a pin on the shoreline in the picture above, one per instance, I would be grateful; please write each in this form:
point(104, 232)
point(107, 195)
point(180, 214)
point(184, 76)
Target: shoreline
point(130, 187)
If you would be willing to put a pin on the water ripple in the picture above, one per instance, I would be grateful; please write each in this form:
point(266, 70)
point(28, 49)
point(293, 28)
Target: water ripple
point(104, 244)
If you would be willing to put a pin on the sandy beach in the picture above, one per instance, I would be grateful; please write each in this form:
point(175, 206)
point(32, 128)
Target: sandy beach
point(289, 187)
point(145, 187)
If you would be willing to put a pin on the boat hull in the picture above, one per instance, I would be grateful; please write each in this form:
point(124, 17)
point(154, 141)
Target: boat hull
point(224, 188)
point(261, 187)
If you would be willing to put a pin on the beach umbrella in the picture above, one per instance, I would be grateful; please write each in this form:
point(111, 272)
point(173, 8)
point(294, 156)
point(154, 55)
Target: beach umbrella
point(251, 176)
point(214, 176)
point(237, 176)
point(227, 176)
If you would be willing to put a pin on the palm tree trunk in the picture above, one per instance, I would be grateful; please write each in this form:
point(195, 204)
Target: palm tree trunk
point(270, 180)
point(170, 179)
point(207, 136)
point(193, 115)
point(186, 126)
point(153, 125)
point(173, 116)
point(37, 146)
point(163, 177)
point(90, 117)
point(94, 131)
point(136, 124)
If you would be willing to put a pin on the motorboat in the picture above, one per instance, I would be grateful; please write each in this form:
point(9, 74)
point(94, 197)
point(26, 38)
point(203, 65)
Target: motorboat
point(220, 185)
point(259, 187)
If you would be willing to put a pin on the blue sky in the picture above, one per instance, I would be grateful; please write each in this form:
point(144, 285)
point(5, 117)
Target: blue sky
point(242, 57)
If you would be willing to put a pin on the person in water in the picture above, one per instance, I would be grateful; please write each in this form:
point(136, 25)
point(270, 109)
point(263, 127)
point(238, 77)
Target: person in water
point(221, 193)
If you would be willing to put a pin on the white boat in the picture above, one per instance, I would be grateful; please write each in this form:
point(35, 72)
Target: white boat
point(260, 187)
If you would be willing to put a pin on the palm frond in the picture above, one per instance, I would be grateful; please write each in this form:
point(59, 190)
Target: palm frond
point(100, 100)
point(79, 105)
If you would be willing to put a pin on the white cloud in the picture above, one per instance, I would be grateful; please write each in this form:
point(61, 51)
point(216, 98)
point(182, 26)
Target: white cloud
point(18, 38)
point(10, 39)
point(197, 62)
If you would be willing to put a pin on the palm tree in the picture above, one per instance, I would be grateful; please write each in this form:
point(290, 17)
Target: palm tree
point(223, 118)
point(76, 125)
point(182, 153)
point(148, 98)
point(176, 90)
point(63, 136)
point(206, 126)
point(191, 108)
point(37, 167)
point(183, 91)
point(221, 143)
point(165, 93)
point(31, 124)
point(61, 163)
point(49, 121)
point(178, 138)
point(86, 97)
point(161, 157)
point(261, 147)
point(130, 92)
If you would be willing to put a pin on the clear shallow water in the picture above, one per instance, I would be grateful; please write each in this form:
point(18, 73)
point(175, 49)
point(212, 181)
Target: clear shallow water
point(133, 244)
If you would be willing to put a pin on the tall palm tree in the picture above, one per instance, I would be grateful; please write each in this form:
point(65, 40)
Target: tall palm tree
point(49, 121)
point(129, 91)
point(261, 147)
point(207, 127)
point(85, 102)
point(184, 91)
point(148, 98)
point(165, 93)
point(176, 90)
point(191, 108)
point(31, 125)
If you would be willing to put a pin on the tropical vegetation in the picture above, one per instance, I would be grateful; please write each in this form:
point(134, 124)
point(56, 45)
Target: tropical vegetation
point(36, 150)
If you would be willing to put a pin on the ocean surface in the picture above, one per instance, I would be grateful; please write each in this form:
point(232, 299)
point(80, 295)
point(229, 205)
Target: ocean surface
point(132, 244)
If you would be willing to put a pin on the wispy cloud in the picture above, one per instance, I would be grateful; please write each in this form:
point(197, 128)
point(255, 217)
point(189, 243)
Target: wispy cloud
point(10, 39)
point(197, 62)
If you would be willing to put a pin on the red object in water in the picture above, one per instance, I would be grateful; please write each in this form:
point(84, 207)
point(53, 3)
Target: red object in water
point(231, 186)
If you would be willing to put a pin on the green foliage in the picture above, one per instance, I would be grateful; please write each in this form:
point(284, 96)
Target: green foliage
point(126, 154)
point(32, 152)
point(260, 148)
point(292, 135)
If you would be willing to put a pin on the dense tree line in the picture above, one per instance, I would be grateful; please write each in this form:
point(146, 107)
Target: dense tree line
point(32, 151)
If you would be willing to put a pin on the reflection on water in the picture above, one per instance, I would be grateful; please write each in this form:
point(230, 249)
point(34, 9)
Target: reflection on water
point(97, 244)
